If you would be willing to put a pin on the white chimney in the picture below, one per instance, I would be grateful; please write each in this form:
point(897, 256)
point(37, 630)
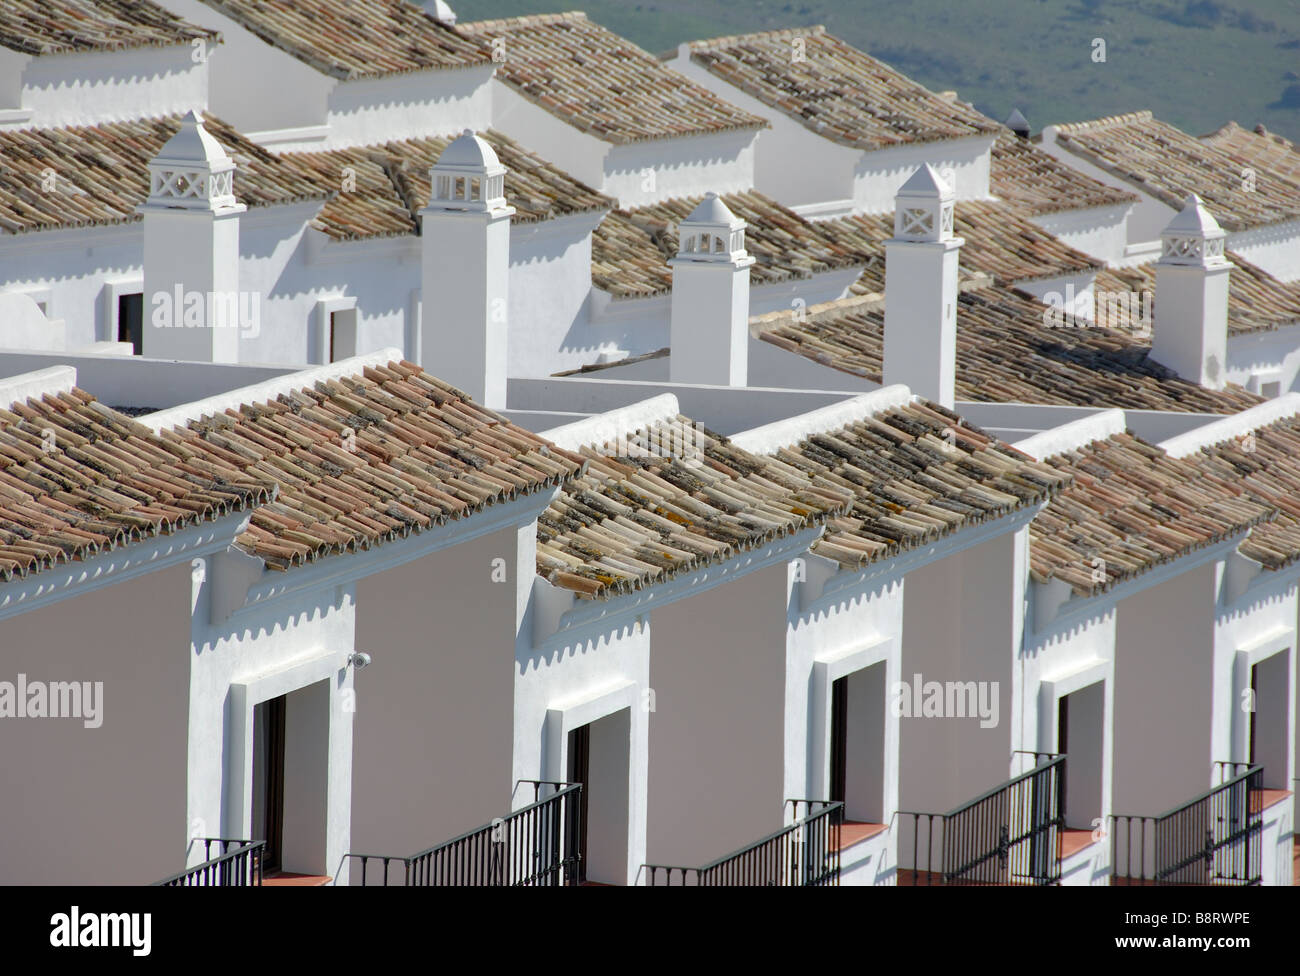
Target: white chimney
point(192, 305)
point(465, 285)
point(921, 289)
point(440, 11)
point(1190, 332)
point(710, 304)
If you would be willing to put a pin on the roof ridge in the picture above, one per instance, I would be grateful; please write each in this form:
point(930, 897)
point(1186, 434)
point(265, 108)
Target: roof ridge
point(774, 34)
point(1105, 122)
point(1236, 425)
point(524, 20)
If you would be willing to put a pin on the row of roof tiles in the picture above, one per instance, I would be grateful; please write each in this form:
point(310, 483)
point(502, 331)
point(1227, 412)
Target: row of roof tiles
point(1006, 352)
point(41, 27)
point(670, 498)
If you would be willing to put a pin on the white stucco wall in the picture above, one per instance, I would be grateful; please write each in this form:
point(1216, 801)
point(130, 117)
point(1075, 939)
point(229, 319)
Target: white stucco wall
point(103, 805)
point(1275, 248)
point(1098, 231)
point(87, 88)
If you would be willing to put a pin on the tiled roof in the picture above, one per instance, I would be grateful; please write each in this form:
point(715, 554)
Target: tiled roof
point(1039, 183)
point(392, 186)
point(835, 90)
point(1007, 354)
point(630, 249)
point(681, 497)
point(1169, 164)
point(352, 39)
point(1267, 467)
point(422, 454)
point(64, 26)
point(1258, 149)
point(1257, 301)
point(108, 482)
point(601, 83)
point(916, 474)
point(1133, 507)
point(101, 175)
point(1000, 241)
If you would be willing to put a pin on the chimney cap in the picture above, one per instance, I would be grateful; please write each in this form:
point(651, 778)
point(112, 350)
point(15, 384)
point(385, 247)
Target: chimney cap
point(712, 210)
point(1193, 238)
point(1194, 219)
point(440, 11)
point(192, 143)
point(1017, 123)
point(469, 151)
point(926, 182)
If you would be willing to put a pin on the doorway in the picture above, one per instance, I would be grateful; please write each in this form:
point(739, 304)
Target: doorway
point(599, 760)
point(268, 780)
point(857, 746)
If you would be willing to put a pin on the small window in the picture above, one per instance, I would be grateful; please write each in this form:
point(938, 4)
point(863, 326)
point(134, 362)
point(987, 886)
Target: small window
point(475, 189)
point(130, 321)
point(1271, 389)
point(719, 246)
point(460, 187)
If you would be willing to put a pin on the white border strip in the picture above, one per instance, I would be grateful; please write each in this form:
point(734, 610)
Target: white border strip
point(602, 428)
point(1218, 431)
point(34, 385)
point(1076, 434)
point(268, 390)
point(770, 438)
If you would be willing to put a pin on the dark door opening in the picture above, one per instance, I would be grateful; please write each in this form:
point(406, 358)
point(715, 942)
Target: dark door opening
point(130, 321)
point(580, 772)
point(839, 739)
point(1063, 741)
point(268, 780)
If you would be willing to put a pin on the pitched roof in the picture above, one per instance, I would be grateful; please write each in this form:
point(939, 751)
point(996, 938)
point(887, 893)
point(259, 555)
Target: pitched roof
point(422, 454)
point(917, 473)
point(392, 186)
point(108, 482)
point(671, 497)
point(601, 83)
point(835, 90)
point(630, 249)
point(1267, 467)
point(1039, 183)
point(101, 174)
point(1169, 165)
point(1006, 353)
point(1133, 507)
point(1000, 241)
point(1258, 149)
point(65, 26)
point(351, 39)
point(1257, 301)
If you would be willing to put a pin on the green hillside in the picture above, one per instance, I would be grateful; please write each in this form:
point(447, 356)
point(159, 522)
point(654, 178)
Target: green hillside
point(1195, 63)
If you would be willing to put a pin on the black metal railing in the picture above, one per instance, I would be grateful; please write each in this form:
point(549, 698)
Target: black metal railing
point(536, 845)
point(1007, 836)
point(1214, 839)
point(237, 865)
point(805, 853)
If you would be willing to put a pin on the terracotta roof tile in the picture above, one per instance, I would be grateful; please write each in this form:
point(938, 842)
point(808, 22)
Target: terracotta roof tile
point(1130, 508)
point(352, 39)
point(1258, 149)
point(101, 173)
point(1007, 354)
point(107, 482)
point(916, 474)
point(1257, 301)
point(422, 454)
point(667, 499)
point(392, 186)
point(601, 83)
point(835, 90)
point(1169, 164)
point(1039, 183)
point(64, 26)
point(1266, 464)
point(631, 248)
point(1000, 241)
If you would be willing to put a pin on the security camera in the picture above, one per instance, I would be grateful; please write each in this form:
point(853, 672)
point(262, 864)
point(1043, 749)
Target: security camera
point(358, 659)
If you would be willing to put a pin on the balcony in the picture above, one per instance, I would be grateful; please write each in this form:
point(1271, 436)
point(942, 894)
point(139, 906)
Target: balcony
point(1010, 835)
point(804, 853)
point(1213, 840)
point(535, 846)
point(238, 864)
